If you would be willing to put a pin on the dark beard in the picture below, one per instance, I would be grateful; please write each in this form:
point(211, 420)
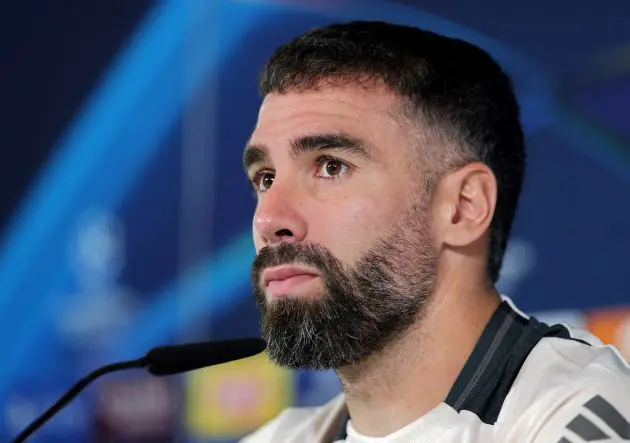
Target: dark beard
point(362, 308)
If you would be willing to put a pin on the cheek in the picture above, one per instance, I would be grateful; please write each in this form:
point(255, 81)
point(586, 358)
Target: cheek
point(352, 227)
point(364, 214)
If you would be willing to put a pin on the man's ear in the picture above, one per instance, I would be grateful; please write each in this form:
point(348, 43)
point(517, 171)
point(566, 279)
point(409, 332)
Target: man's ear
point(464, 204)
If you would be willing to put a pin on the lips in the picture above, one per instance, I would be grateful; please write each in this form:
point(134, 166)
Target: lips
point(282, 280)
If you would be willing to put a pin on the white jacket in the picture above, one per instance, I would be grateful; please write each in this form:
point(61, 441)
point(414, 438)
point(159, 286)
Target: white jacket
point(525, 382)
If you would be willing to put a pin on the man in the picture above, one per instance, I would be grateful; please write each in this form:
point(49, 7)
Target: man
point(388, 163)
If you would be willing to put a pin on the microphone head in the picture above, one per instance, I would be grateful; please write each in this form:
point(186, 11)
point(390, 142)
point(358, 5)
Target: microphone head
point(175, 359)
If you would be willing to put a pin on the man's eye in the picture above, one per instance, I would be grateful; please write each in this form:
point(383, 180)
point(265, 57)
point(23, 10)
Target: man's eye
point(331, 168)
point(263, 181)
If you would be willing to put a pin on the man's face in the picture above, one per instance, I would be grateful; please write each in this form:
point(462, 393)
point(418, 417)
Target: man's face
point(345, 261)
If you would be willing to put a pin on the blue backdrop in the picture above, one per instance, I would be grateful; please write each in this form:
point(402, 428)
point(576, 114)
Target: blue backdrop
point(137, 232)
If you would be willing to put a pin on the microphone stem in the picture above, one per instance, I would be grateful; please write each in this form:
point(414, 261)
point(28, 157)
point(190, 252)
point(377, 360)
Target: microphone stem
point(74, 391)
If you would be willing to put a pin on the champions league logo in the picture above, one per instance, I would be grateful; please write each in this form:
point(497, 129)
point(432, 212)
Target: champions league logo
point(98, 304)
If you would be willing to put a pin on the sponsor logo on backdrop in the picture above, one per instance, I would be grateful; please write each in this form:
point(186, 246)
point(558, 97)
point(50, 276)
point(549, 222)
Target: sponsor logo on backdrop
point(140, 408)
point(233, 399)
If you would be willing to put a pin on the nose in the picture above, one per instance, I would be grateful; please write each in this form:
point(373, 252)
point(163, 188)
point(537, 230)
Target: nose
point(277, 218)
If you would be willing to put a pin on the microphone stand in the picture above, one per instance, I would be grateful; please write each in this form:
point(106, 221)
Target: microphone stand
point(74, 391)
point(160, 361)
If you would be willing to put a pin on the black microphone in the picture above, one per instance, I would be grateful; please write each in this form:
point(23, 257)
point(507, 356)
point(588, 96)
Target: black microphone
point(160, 361)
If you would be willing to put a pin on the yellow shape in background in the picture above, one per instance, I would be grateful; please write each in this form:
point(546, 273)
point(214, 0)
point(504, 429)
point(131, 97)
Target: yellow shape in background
point(233, 399)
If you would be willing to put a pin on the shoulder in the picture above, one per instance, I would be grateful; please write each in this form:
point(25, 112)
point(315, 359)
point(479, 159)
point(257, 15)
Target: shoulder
point(572, 387)
point(576, 355)
point(300, 424)
point(575, 358)
point(600, 411)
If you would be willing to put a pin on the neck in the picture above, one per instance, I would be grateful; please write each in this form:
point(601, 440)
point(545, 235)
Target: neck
point(412, 376)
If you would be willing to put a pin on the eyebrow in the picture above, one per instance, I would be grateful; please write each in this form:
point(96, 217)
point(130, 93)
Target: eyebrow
point(341, 141)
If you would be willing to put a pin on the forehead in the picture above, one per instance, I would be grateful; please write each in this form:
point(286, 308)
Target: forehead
point(351, 109)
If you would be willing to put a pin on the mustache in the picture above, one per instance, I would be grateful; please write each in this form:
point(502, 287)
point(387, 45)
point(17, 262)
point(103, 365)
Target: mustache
point(309, 254)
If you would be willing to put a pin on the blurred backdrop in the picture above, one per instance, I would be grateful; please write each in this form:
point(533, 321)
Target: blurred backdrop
point(126, 216)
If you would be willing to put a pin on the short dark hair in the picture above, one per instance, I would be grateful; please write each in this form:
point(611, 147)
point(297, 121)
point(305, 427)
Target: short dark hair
point(448, 82)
